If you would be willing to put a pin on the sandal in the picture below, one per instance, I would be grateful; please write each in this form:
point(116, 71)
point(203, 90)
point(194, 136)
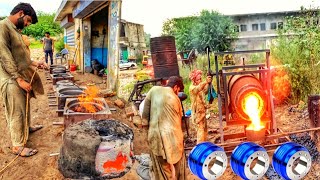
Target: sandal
point(25, 152)
point(35, 128)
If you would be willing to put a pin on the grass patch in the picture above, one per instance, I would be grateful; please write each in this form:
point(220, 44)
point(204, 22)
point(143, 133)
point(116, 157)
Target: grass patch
point(34, 44)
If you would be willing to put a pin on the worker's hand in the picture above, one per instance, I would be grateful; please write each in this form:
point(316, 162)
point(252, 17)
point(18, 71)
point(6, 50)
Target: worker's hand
point(209, 79)
point(24, 85)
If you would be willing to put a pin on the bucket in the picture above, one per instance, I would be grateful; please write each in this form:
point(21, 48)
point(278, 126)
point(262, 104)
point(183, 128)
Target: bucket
point(73, 67)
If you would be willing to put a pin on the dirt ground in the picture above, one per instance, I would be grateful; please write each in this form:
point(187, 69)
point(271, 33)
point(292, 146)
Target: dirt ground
point(49, 139)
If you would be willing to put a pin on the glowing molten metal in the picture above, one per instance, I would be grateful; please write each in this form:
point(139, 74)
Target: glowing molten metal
point(252, 109)
point(87, 102)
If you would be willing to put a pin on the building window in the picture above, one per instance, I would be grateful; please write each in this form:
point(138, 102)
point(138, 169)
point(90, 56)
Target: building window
point(243, 27)
point(273, 26)
point(255, 27)
point(280, 25)
point(262, 26)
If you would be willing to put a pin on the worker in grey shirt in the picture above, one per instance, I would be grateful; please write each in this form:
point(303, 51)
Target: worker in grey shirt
point(48, 47)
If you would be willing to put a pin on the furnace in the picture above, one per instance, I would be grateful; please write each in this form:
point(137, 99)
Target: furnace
point(76, 111)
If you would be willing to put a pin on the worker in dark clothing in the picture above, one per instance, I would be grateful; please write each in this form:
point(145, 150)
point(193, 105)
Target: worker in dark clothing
point(48, 47)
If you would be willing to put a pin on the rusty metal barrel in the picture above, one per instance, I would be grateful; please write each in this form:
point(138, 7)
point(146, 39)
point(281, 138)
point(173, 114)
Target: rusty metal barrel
point(314, 110)
point(164, 57)
point(241, 87)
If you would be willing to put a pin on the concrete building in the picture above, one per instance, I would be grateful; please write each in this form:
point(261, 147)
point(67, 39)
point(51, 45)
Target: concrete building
point(258, 30)
point(132, 40)
point(91, 31)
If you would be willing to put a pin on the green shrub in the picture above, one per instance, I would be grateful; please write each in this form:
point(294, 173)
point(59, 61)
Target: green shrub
point(300, 53)
point(35, 44)
point(59, 44)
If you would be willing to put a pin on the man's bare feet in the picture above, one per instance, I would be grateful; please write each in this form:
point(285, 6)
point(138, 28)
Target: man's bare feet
point(25, 152)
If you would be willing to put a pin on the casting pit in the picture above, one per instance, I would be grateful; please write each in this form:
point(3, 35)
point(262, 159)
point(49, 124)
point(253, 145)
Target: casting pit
point(76, 111)
point(61, 76)
point(64, 93)
point(96, 149)
point(57, 67)
point(65, 83)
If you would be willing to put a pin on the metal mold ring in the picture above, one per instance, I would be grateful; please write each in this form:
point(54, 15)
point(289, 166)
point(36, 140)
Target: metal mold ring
point(291, 161)
point(249, 161)
point(207, 161)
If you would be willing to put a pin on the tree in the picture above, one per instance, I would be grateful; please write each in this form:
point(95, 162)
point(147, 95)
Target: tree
point(147, 39)
point(298, 48)
point(45, 24)
point(209, 29)
point(214, 30)
point(181, 29)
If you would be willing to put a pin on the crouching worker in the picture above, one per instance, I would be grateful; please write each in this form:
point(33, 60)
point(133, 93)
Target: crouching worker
point(197, 90)
point(163, 112)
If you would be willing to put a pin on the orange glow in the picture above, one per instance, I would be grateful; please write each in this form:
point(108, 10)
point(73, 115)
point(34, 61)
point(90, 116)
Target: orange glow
point(252, 109)
point(117, 165)
point(280, 84)
point(90, 93)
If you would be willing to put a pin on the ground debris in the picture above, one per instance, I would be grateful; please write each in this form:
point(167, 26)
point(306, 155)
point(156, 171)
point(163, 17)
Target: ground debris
point(272, 174)
point(119, 103)
point(306, 141)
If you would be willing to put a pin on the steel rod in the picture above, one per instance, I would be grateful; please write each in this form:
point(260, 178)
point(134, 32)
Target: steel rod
point(274, 136)
point(241, 52)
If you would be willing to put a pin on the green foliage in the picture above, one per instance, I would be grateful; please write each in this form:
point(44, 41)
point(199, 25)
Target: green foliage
point(256, 58)
point(45, 24)
point(2, 17)
point(298, 47)
point(214, 30)
point(209, 29)
point(181, 29)
point(147, 39)
point(59, 44)
point(34, 44)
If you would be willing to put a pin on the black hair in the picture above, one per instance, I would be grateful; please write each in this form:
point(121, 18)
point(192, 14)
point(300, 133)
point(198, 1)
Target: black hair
point(27, 10)
point(47, 33)
point(175, 80)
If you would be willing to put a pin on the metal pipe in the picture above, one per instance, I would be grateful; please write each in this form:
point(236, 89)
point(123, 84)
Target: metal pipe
point(275, 136)
point(219, 99)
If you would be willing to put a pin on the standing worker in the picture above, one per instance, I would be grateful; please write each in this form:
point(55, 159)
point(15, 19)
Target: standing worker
point(16, 73)
point(48, 47)
point(197, 90)
point(163, 112)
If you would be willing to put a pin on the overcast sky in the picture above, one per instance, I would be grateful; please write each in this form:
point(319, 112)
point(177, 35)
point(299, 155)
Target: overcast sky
point(152, 13)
